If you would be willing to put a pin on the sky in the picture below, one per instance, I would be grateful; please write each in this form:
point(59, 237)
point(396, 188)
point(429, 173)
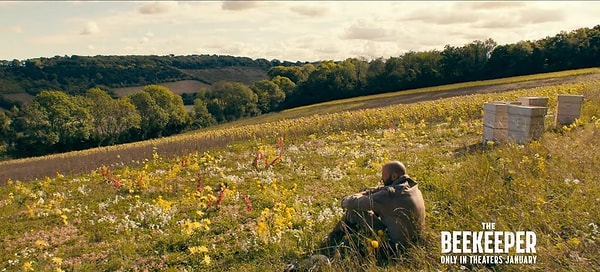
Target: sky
point(283, 30)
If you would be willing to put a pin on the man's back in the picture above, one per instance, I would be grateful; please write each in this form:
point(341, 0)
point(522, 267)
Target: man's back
point(404, 214)
point(400, 207)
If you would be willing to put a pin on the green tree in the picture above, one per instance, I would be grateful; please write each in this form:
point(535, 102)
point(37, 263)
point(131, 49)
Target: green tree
point(270, 96)
point(229, 101)
point(201, 118)
point(294, 73)
point(5, 130)
point(361, 67)
point(375, 76)
point(153, 117)
point(285, 84)
point(394, 74)
point(162, 112)
point(172, 104)
point(54, 121)
point(112, 118)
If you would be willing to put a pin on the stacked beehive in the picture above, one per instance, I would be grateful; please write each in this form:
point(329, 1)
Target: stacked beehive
point(495, 121)
point(525, 122)
point(568, 108)
point(520, 120)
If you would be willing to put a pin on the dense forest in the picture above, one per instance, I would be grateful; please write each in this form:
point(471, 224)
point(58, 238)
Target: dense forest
point(74, 107)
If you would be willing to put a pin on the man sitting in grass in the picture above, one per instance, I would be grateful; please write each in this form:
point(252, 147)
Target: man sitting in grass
point(397, 207)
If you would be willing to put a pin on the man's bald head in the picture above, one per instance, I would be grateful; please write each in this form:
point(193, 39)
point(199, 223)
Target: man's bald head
point(391, 171)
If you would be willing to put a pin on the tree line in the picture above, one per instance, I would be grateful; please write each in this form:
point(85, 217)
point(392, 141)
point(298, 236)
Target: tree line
point(57, 121)
point(75, 74)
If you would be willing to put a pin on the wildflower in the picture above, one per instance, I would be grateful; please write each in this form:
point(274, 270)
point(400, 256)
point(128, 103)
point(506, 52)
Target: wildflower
point(198, 249)
point(115, 182)
point(262, 228)
point(206, 260)
point(27, 266)
point(57, 260)
point(374, 244)
point(221, 195)
point(203, 249)
point(40, 244)
point(248, 204)
point(141, 180)
point(574, 241)
point(64, 219)
point(189, 227)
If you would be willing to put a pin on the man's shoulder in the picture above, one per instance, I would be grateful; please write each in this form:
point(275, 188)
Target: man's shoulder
point(405, 181)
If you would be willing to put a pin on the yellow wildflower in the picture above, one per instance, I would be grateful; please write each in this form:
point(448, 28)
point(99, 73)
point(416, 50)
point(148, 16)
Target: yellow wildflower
point(189, 227)
point(198, 249)
point(57, 260)
point(206, 259)
point(574, 241)
point(262, 228)
point(203, 249)
point(375, 244)
point(27, 266)
point(40, 244)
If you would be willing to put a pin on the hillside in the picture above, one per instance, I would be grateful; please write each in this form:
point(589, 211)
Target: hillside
point(36, 168)
point(21, 80)
point(256, 197)
point(203, 78)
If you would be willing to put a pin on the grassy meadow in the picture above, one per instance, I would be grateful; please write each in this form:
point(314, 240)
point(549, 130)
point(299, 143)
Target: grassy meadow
point(272, 192)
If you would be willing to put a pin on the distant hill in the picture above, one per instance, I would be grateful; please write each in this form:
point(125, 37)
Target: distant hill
point(204, 78)
point(21, 80)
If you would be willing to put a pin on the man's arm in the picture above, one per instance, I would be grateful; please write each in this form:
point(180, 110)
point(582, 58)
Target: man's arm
point(365, 201)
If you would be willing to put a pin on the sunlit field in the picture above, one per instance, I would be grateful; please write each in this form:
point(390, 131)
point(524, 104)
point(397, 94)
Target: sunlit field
point(262, 201)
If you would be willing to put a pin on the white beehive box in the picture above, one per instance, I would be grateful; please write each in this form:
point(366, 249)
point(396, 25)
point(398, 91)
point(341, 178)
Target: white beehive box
point(525, 123)
point(495, 120)
point(538, 101)
point(568, 108)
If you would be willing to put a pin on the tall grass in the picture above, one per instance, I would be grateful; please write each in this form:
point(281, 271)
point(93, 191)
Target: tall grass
point(243, 207)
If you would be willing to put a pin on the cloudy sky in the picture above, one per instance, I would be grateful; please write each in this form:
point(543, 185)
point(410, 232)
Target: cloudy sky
point(284, 30)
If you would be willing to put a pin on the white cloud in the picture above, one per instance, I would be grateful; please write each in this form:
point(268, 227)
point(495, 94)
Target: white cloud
point(488, 5)
point(542, 16)
point(442, 16)
point(157, 8)
point(285, 30)
point(90, 28)
point(310, 11)
point(364, 30)
point(238, 5)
